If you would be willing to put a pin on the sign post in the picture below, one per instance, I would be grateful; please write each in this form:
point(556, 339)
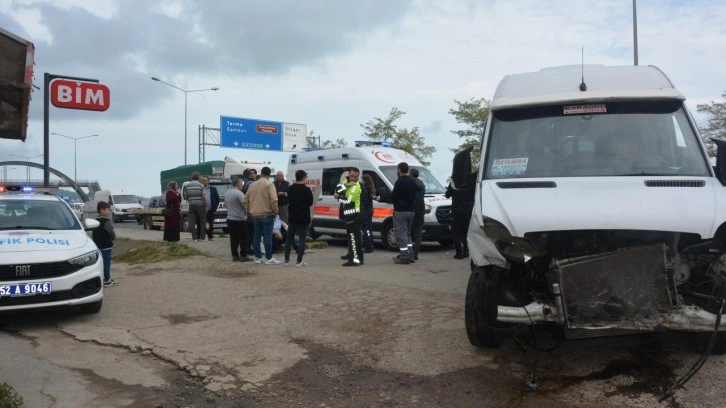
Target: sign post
point(71, 93)
point(257, 134)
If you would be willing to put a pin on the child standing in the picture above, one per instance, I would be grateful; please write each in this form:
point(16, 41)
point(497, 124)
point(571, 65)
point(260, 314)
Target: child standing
point(103, 236)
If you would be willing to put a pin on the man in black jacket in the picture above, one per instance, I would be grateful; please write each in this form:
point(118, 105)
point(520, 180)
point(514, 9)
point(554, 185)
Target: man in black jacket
point(212, 196)
point(301, 199)
point(418, 216)
point(281, 187)
point(461, 190)
point(404, 198)
point(462, 204)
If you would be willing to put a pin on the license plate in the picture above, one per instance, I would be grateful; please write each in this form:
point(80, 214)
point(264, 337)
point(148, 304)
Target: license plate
point(220, 220)
point(26, 289)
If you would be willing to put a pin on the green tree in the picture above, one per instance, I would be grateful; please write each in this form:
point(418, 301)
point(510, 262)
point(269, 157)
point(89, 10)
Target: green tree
point(312, 141)
point(331, 144)
point(716, 123)
point(408, 140)
point(473, 114)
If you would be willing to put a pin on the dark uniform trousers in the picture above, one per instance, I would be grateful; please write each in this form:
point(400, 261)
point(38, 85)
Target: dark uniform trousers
point(352, 229)
point(461, 217)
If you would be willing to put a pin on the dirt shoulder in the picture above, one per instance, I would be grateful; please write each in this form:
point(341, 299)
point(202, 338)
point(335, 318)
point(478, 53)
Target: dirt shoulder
point(223, 333)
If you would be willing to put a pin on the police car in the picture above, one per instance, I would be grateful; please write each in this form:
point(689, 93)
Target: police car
point(46, 257)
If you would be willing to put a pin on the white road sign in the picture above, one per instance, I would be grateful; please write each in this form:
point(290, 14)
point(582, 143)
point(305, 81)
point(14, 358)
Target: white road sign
point(293, 137)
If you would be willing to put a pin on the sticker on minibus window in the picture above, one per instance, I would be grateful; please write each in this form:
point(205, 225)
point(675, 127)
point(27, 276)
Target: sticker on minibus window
point(509, 167)
point(580, 109)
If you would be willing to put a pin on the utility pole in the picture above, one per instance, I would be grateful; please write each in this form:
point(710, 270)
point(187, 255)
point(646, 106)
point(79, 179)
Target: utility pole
point(635, 34)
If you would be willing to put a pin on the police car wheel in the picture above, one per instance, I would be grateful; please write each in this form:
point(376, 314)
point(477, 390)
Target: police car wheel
point(92, 308)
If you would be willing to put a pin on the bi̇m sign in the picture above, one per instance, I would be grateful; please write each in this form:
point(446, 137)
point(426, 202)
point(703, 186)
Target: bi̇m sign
point(79, 95)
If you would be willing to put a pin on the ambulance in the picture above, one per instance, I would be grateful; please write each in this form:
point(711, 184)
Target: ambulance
point(325, 168)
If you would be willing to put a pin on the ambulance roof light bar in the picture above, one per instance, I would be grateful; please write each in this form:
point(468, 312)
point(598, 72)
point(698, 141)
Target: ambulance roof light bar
point(364, 143)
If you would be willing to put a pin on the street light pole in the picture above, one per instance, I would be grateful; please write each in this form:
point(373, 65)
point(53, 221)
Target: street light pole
point(27, 163)
point(186, 94)
point(75, 151)
point(635, 34)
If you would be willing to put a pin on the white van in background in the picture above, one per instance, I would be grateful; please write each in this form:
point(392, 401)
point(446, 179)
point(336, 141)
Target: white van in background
point(234, 168)
point(123, 203)
point(325, 168)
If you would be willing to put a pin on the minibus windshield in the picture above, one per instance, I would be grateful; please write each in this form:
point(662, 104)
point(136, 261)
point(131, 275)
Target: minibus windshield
point(634, 138)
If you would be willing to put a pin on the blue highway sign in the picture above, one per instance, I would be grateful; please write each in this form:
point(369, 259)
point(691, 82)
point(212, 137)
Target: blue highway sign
point(243, 133)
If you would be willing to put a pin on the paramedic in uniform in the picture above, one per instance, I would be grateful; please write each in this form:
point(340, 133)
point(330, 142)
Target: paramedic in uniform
point(348, 192)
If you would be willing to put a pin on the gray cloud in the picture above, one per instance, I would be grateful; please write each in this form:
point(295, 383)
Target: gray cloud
point(210, 37)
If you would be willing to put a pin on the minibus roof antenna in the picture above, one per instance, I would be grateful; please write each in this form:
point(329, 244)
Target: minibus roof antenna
point(583, 86)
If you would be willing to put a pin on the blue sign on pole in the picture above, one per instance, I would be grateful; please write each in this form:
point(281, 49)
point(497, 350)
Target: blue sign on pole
point(243, 133)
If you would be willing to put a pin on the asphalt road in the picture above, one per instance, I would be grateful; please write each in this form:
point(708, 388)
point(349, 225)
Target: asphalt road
point(209, 332)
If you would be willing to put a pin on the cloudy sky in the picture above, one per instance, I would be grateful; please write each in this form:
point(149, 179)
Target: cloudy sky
point(332, 65)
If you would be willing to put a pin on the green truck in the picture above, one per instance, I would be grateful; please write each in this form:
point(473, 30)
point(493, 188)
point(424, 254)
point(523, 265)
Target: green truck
point(215, 171)
point(214, 168)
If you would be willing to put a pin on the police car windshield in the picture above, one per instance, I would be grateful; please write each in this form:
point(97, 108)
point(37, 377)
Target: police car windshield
point(432, 185)
point(36, 214)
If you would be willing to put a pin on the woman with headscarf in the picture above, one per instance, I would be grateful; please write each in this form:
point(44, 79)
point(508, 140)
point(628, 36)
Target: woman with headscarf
point(172, 223)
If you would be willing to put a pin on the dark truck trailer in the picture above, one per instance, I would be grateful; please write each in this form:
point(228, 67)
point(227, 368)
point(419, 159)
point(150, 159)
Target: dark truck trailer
point(214, 168)
point(182, 174)
point(16, 80)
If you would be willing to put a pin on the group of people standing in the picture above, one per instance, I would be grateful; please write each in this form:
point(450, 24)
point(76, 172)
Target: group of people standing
point(203, 203)
point(356, 210)
point(256, 204)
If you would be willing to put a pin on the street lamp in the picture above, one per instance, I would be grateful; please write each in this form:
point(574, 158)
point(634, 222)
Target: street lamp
point(5, 172)
point(75, 162)
point(186, 92)
point(27, 166)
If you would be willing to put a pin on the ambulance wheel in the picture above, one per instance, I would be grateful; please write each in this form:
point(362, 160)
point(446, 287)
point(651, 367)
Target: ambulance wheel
point(388, 237)
point(185, 227)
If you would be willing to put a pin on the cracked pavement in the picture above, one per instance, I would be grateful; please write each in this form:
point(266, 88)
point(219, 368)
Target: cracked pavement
point(209, 332)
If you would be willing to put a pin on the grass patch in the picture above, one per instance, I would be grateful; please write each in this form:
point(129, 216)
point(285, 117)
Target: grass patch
point(316, 244)
point(138, 252)
point(9, 398)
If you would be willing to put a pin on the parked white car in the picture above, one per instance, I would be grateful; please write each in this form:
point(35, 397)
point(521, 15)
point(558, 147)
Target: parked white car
point(46, 257)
